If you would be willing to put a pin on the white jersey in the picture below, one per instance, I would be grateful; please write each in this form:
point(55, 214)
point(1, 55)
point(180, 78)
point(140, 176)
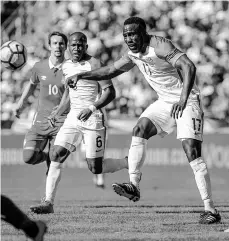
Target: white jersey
point(157, 65)
point(87, 92)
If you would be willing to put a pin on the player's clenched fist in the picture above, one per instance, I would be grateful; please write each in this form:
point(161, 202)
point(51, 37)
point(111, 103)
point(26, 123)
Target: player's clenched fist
point(72, 81)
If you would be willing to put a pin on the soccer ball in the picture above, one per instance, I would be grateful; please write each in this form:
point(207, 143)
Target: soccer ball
point(13, 55)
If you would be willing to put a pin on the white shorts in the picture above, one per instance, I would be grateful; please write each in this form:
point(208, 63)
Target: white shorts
point(190, 125)
point(92, 132)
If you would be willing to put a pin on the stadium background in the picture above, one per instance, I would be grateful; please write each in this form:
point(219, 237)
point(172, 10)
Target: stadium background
point(199, 28)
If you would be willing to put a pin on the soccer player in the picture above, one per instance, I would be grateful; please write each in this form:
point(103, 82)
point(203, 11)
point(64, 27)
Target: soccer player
point(85, 121)
point(48, 75)
point(172, 75)
point(13, 215)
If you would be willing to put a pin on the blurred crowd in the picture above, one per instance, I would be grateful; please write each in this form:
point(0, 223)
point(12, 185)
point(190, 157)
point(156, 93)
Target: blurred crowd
point(198, 28)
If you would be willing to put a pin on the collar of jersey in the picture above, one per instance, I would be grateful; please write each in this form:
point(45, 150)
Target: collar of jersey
point(51, 66)
point(140, 55)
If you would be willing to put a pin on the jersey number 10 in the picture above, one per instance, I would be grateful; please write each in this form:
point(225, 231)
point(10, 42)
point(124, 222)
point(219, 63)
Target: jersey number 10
point(53, 90)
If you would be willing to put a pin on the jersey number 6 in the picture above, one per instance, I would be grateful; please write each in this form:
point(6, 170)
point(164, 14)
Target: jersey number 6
point(99, 141)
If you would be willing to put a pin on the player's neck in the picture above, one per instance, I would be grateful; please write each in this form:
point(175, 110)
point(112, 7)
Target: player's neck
point(146, 43)
point(56, 61)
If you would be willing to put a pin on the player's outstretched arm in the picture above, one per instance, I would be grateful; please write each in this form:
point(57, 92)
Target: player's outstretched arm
point(27, 92)
point(120, 66)
point(108, 94)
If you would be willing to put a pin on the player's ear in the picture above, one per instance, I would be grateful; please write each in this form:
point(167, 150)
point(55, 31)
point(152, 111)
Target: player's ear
point(86, 47)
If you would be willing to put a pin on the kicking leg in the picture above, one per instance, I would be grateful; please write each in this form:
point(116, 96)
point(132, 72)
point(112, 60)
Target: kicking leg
point(141, 133)
point(192, 149)
point(13, 215)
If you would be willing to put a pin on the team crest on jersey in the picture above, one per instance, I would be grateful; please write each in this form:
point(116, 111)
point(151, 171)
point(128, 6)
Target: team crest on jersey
point(43, 77)
point(149, 59)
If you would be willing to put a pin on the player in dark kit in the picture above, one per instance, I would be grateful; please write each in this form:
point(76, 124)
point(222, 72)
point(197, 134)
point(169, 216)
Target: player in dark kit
point(46, 73)
point(13, 215)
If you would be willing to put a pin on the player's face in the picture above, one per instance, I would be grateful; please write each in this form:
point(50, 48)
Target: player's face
point(77, 48)
point(133, 37)
point(57, 46)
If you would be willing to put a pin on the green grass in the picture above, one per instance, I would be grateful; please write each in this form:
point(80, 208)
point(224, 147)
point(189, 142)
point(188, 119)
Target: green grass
point(168, 210)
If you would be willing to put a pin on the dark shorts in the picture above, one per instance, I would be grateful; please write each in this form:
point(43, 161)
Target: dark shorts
point(40, 134)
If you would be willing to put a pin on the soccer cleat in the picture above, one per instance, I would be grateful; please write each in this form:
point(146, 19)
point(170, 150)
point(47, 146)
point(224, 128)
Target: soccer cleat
point(207, 217)
point(227, 230)
point(127, 190)
point(42, 227)
point(43, 208)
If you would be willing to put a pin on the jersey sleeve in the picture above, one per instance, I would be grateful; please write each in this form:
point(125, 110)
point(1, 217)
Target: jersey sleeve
point(124, 63)
point(34, 79)
point(166, 50)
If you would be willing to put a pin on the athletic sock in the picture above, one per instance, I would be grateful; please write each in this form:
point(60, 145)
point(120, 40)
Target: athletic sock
point(48, 162)
point(113, 165)
point(52, 181)
point(203, 182)
point(100, 179)
point(136, 159)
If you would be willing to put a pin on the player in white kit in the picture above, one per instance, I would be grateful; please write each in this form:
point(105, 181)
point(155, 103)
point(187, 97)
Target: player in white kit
point(84, 122)
point(172, 75)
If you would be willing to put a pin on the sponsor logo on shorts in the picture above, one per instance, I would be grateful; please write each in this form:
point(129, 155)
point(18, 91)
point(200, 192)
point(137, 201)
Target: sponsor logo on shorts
point(43, 77)
point(98, 150)
point(197, 133)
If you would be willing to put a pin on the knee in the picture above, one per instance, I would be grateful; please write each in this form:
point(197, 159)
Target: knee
point(29, 156)
point(95, 165)
point(144, 128)
point(59, 154)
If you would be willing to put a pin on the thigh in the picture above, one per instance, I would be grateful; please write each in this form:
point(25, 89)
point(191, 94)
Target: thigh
point(95, 141)
point(159, 114)
point(190, 125)
point(69, 136)
point(35, 141)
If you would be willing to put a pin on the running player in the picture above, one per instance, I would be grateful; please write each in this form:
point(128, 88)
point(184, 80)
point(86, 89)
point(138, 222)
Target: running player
point(48, 75)
point(172, 75)
point(10, 213)
point(85, 121)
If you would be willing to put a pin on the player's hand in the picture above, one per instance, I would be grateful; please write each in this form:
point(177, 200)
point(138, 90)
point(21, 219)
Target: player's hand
point(52, 117)
point(84, 114)
point(177, 109)
point(72, 81)
point(51, 121)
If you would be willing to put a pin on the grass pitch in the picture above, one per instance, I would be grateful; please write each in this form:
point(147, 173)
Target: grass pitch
point(168, 210)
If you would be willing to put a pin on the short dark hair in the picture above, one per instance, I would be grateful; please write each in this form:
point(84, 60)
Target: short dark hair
point(136, 20)
point(58, 34)
point(81, 35)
